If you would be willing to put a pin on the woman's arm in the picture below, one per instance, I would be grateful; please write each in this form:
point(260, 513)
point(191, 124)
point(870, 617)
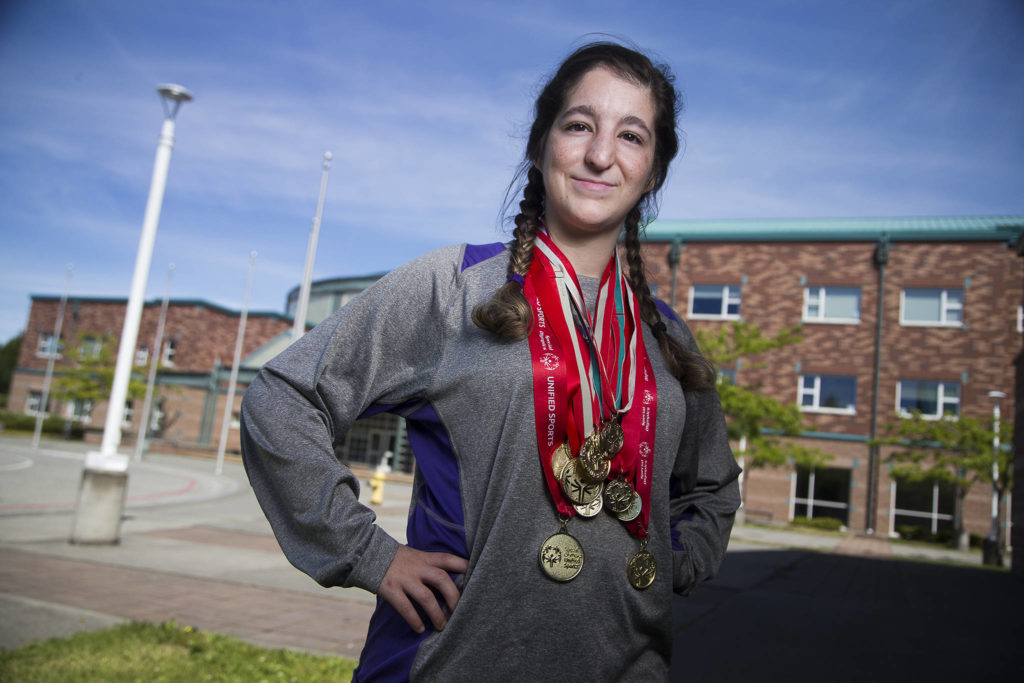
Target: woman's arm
point(381, 348)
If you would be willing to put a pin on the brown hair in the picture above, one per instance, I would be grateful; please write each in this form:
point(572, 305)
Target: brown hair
point(507, 313)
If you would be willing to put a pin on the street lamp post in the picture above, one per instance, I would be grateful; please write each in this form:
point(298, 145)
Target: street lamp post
point(105, 476)
point(302, 305)
point(992, 553)
point(51, 352)
point(154, 362)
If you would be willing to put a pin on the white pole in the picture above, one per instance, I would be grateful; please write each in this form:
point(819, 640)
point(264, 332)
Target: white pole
point(229, 400)
point(52, 353)
point(892, 510)
point(810, 495)
point(995, 395)
point(101, 494)
point(299, 325)
point(107, 458)
point(147, 403)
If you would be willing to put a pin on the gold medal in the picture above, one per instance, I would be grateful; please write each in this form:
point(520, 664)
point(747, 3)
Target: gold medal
point(577, 490)
point(612, 437)
point(590, 509)
point(633, 511)
point(561, 556)
point(618, 496)
point(594, 463)
point(559, 457)
point(642, 567)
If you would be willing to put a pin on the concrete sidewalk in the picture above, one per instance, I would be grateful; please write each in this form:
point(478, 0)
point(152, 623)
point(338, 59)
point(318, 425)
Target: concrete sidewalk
point(196, 548)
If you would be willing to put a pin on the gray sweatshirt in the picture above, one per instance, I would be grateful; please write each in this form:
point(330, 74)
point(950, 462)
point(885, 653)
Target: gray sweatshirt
point(408, 345)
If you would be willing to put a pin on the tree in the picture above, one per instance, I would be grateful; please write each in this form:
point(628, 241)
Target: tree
point(755, 420)
point(958, 450)
point(91, 375)
point(8, 361)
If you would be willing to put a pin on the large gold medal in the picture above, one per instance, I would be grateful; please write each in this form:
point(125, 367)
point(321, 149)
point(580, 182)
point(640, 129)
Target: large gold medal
point(612, 437)
point(633, 511)
point(577, 490)
point(618, 496)
point(590, 509)
point(642, 568)
point(561, 556)
point(594, 462)
point(559, 457)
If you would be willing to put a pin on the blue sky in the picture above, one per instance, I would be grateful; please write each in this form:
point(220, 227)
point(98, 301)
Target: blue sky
point(794, 108)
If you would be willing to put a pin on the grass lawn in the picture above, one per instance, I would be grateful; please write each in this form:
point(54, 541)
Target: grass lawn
point(168, 652)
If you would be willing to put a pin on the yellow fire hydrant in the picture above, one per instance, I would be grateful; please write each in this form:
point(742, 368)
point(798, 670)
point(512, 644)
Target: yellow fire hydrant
point(379, 477)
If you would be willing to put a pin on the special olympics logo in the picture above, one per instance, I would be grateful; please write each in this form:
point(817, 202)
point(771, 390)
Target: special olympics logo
point(549, 361)
point(648, 397)
point(644, 449)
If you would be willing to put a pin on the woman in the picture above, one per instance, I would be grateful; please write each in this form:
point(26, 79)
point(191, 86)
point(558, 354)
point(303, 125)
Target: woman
point(540, 383)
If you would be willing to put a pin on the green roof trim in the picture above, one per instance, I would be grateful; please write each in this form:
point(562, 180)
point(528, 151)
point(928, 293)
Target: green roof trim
point(1006, 229)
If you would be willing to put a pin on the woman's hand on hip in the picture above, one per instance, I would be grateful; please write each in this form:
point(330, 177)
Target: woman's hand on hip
point(412, 575)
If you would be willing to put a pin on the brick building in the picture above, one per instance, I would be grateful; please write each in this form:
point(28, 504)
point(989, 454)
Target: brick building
point(944, 334)
point(195, 363)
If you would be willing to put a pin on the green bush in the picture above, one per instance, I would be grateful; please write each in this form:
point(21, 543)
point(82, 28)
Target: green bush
point(823, 523)
point(51, 425)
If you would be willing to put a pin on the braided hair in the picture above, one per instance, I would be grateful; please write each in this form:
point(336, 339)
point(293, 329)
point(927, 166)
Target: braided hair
point(507, 313)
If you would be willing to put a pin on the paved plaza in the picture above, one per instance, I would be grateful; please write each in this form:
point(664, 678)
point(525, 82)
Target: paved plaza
point(196, 548)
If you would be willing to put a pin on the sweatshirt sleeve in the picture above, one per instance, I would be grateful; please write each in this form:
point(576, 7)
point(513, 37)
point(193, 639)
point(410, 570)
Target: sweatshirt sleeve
point(381, 348)
point(705, 493)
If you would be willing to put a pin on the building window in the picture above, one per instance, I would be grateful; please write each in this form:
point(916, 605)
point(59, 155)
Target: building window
point(933, 399)
point(49, 346)
point(727, 375)
point(90, 347)
point(821, 492)
point(142, 356)
point(129, 412)
point(80, 410)
point(715, 302)
point(170, 348)
point(921, 507)
point(828, 394)
point(832, 304)
point(33, 403)
point(932, 307)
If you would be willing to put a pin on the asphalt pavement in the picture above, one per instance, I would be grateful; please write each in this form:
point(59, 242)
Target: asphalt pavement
point(196, 548)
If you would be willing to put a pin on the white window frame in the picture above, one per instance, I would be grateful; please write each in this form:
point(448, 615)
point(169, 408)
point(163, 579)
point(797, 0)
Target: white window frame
point(33, 401)
point(168, 352)
point(941, 401)
point(729, 294)
point(817, 295)
point(79, 410)
point(90, 347)
point(45, 349)
point(933, 514)
point(814, 391)
point(129, 412)
point(945, 307)
point(142, 356)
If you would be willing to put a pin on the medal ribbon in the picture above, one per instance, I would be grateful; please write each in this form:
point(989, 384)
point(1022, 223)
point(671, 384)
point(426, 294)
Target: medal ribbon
point(574, 403)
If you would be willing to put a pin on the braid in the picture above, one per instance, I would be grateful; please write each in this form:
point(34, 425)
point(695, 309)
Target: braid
point(507, 313)
point(691, 368)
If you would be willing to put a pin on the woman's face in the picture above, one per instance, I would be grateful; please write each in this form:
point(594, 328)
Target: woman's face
point(598, 156)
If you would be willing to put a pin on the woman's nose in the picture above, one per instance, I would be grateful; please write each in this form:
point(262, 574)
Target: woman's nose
point(600, 152)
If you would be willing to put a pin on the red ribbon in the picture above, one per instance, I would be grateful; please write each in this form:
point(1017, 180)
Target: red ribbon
point(558, 404)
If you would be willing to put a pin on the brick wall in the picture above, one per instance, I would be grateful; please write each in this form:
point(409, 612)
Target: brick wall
point(978, 355)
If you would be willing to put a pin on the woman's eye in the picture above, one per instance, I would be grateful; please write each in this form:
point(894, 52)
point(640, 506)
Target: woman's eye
point(577, 127)
point(632, 137)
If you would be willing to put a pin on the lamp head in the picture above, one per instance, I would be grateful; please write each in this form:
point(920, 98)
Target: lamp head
point(172, 95)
